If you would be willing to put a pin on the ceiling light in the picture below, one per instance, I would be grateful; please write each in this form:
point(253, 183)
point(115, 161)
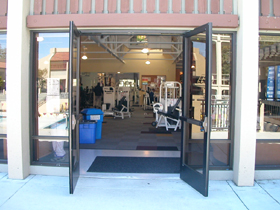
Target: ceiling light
point(84, 57)
point(148, 62)
point(118, 72)
point(145, 50)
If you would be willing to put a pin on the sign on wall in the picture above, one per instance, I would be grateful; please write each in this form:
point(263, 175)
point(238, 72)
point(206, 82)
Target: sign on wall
point(278, 84)
point(270, 83)
point(53, 95)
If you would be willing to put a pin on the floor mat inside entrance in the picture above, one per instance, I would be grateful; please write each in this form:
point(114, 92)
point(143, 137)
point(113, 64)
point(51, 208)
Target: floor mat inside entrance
point(135, 165)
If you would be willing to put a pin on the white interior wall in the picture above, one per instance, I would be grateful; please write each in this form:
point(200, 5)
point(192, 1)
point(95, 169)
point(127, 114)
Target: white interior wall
point(157, 67)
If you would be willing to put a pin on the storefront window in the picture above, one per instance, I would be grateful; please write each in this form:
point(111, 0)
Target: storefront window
point(3, 107)
point(51, 109)
point(268, 124)
point(220, 147)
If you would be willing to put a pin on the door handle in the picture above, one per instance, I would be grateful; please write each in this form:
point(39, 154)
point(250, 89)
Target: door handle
point(203, 124)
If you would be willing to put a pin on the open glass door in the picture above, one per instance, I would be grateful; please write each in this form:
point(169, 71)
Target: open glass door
point(74, 92)
point(196, 108)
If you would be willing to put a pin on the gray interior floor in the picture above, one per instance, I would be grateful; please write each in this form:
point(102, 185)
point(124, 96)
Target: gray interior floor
point(125, 134)
point(52, 192)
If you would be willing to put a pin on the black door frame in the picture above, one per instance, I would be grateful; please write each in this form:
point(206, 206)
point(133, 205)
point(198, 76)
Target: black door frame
point(199, 181)
point(195, 179)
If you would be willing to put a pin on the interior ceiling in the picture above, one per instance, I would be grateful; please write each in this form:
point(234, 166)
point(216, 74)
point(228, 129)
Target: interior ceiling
point(105, 47)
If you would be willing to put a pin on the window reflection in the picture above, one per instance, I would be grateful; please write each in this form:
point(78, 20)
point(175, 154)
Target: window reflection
point(52, 60)
point(52, 74)
point(268, 124)
point(3, 105)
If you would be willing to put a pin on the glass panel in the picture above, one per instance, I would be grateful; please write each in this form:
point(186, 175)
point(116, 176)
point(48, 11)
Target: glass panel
point(3, 105)
point(3, 150)
point(194, 147)
point(52, 76)
point(219, 154)
point(51, 112)
point(268, 124)
point(221, 87)
point(50, 152)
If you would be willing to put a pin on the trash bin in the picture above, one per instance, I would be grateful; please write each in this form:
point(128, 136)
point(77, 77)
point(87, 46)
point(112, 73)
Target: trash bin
point(87, 131)
point(97, 115)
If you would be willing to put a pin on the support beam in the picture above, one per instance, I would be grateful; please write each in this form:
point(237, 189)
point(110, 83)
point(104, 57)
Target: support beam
point(108, 49)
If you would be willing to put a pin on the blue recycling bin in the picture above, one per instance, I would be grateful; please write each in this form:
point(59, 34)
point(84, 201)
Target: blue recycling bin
point(87, 131)
point(97, 115)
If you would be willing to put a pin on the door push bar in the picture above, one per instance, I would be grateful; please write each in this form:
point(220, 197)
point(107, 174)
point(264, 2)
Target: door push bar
point(202, 124)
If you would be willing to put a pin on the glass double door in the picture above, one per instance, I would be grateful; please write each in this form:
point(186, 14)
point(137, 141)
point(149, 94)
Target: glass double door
point(197, 51)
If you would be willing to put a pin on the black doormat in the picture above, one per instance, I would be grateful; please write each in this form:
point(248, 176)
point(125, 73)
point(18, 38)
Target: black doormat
point(162, 148)
point(135, 165)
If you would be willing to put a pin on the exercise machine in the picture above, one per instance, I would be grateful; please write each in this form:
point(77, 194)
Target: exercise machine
point(168, 110)
point(109, 100)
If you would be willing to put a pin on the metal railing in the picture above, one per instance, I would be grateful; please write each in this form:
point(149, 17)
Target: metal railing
point(43, 7)
point(269, 116)
point(220, 114)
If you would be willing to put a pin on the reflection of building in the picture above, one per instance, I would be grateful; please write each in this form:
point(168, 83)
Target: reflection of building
point(3, 73)
point(56, 64)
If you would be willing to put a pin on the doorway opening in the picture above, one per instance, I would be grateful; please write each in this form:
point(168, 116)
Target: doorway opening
point(139, 74)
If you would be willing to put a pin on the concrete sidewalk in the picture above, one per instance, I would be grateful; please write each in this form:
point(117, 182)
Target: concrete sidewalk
point(52, 192)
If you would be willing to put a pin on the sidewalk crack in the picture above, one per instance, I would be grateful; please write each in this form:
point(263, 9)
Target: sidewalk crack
point(237, 195)
point(17, 190)
point(268, 193)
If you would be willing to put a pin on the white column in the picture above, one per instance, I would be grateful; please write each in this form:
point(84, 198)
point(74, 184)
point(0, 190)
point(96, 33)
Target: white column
point(18, 47)
point(246, 94)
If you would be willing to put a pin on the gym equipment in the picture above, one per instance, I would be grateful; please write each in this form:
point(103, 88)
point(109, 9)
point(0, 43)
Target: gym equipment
point(123, 105)
point(109, 100)
point(122, 109)
point(171, 118)
point(169, 105)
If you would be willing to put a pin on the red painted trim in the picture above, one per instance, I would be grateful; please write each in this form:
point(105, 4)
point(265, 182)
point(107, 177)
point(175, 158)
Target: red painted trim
point(4, 7)
point(50, 7)
point(124, 6)
point(176, 6)
point(189, 5)
point(276, 8)
point(228, 6)
point(269, 23)
point(137, 6)
point(215, 6)
point(131, 20)
point(151, 6)
point(265, 7)
point(99, 6)
point(202, 6)
point(3, 22)
point(112, 6)
point(61, 7)
point(74, 6)
point(86, 6)
point(163, 6)
point(38, 7)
